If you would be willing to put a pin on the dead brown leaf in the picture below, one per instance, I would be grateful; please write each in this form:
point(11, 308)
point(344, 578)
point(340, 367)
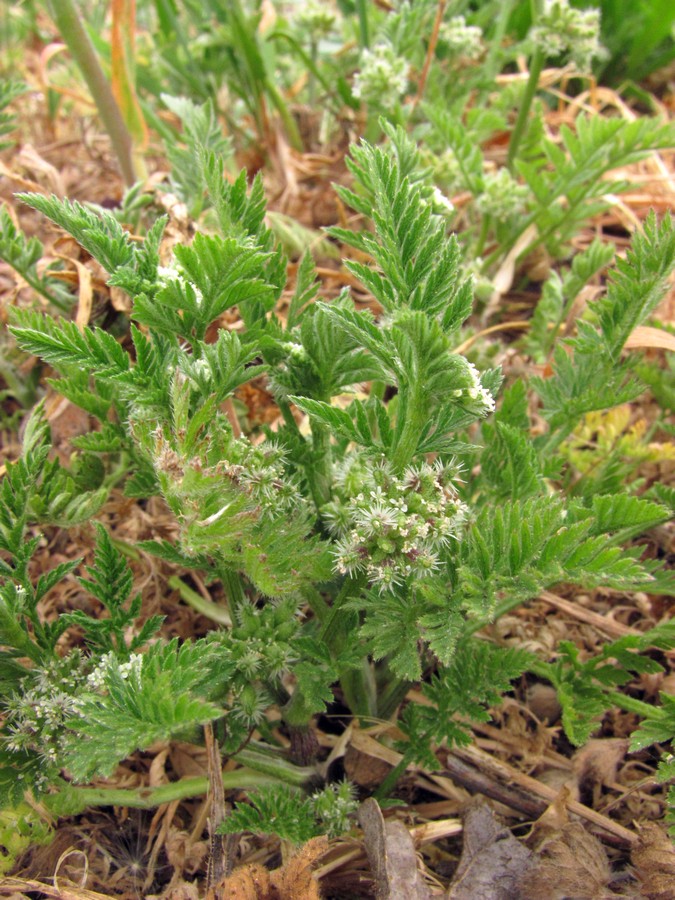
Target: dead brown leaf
point(392, 856)
point(570, 863)
point(597, 763)
point(654, 861)
point(646, 337)
point(245, 883)
point(293, 881)
point(493, 861)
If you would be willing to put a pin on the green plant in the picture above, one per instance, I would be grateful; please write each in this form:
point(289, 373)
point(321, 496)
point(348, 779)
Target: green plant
point(639, 39)
point(9, 91)
point(280, 810)
point(23, 255)
point(361, 555)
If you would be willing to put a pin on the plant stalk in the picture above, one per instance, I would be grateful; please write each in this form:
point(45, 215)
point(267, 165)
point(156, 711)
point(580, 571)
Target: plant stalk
point(413, 413)
point(362, 12)
point(536, 65)
point(69, 23)
point(72, 800)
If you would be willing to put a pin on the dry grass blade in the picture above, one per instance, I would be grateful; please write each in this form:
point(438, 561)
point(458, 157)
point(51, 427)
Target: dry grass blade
point(21, 886)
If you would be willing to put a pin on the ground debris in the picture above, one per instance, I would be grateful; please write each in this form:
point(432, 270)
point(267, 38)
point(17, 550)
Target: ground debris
point(293, 881)
point(392, 856)
point(493, 861)
point(654, 861)
point(569, 862)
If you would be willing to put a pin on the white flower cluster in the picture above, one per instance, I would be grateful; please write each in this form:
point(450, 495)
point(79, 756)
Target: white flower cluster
point(97, 677)
point(393, 527)
point(174, 273)
point(448, 171)
point(441, 203)
point(562, 29)
point(260, 472)
point(464, 41)
point(315, 20)
point(503, 197)
point(382, 78)
point(476, 394)
point(36, 718)
point(333, 805)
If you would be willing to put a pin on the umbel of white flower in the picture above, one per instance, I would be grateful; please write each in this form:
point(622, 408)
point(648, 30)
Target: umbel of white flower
point(465, 41)
point(561, 29)
point(315, 20)
point(392, 527)
point(382, 78)
point(502, 197)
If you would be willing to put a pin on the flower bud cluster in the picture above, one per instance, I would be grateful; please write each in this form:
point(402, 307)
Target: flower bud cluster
point(259, 645)
point(503, 197)
point(260, 472)
point(441, 204)
point(36, 718)
point(315, 20)
point(382, 78)
point(393, 527)
point(174, 273)
point(476, 395)
point(562, 29)
point(448, 172)
point(109, 662)
point(463, 41)
point(333, 805)
point(256, 652)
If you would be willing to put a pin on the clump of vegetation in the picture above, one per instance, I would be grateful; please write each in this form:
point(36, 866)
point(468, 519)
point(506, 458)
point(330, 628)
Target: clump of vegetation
point(412, 493)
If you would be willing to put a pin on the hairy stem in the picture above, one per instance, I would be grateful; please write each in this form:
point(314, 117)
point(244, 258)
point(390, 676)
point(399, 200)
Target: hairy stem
point(413, 414)
point(72, 800)
point(320, 474)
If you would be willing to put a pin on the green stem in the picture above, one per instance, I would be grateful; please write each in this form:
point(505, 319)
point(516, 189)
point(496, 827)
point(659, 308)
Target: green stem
point(310, 62)
point(632, 704)
point(359, 691)
point(234, 590)
point(290, 126)
point(289, 418)
point(332, 630)
point(491, 65)
point(263, 759)
point(200, 604)
point(358, 685)
point(536, 65)
point(67, 19)
point(482, 237)
point(72, 800)
point(388, 783)
point(362, 12)
point(392, 696)
point(321, 472)
point(311, 87)
point(39, 288)
point(315, 602)
point(412, 416)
